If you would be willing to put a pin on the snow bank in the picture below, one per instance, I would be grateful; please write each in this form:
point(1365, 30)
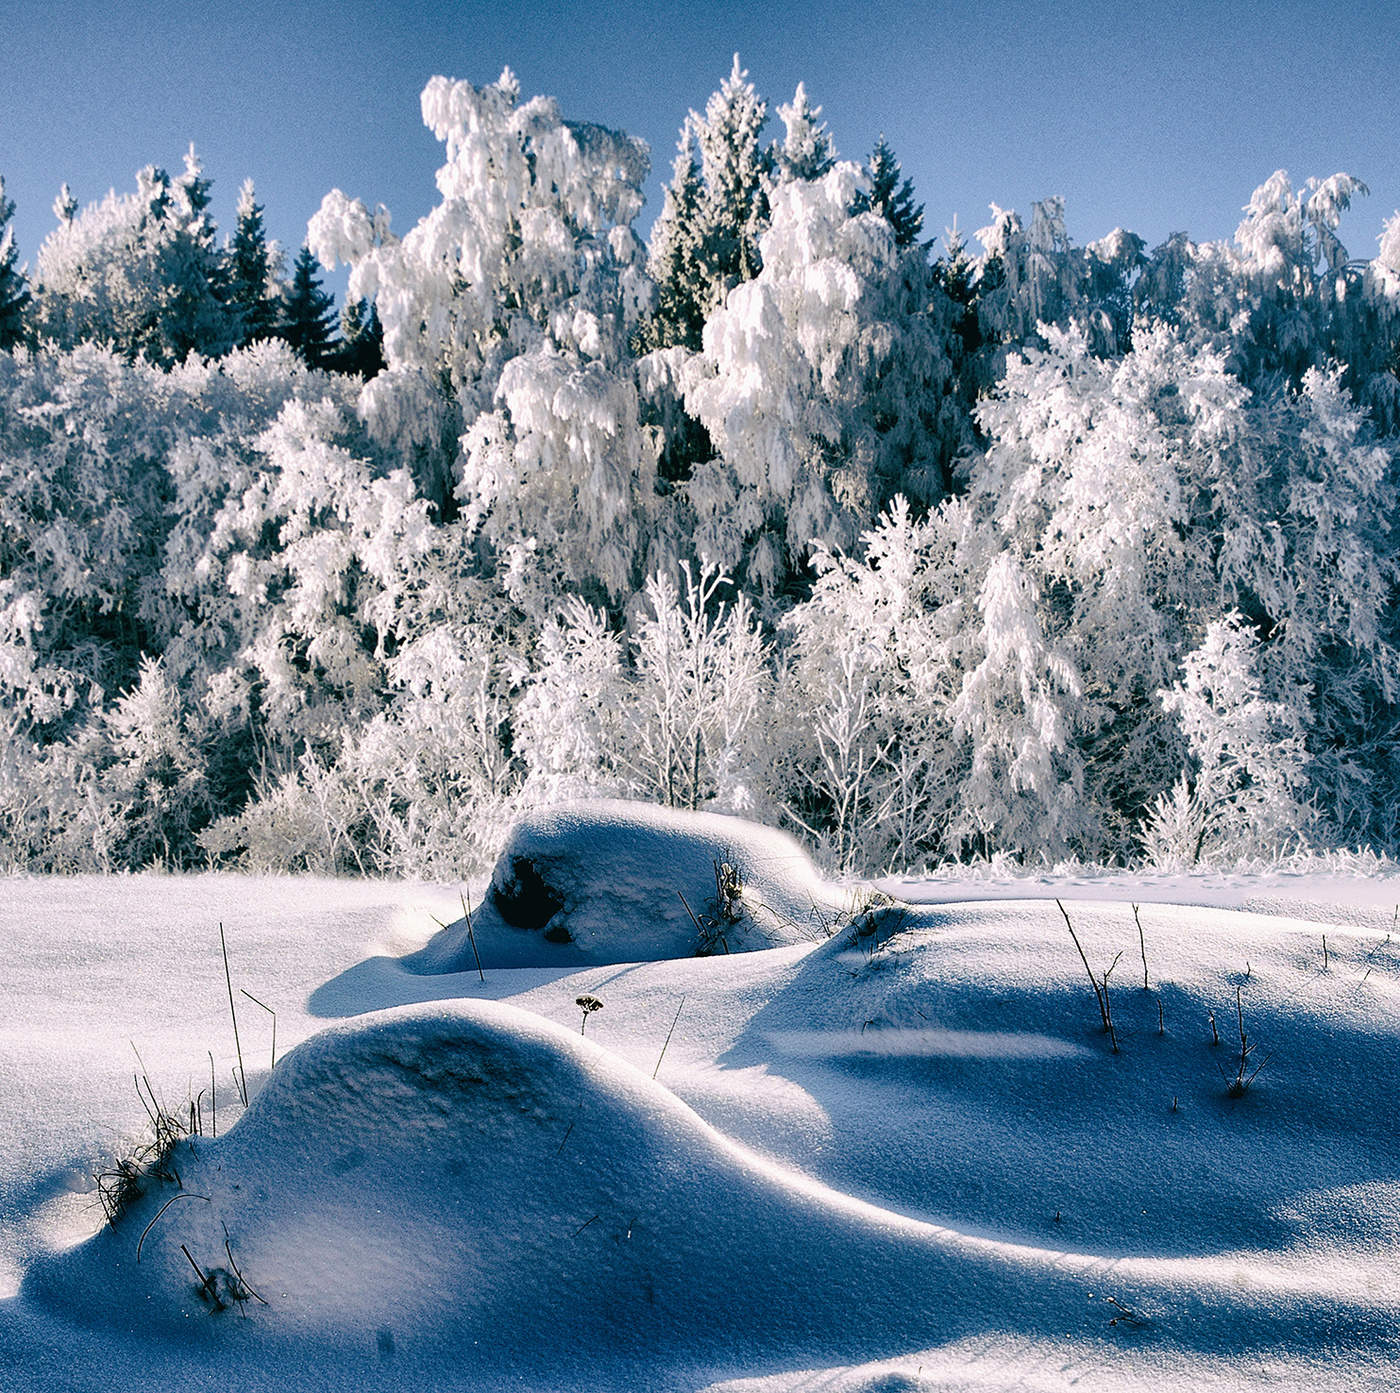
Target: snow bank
point(467, 1175)
point(603, 882)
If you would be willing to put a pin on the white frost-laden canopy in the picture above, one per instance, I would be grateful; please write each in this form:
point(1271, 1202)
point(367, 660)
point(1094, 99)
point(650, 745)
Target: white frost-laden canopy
point(506, 315)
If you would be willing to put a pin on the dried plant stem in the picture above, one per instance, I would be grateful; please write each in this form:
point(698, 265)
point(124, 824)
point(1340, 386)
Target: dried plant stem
point(183, 1195)
point(1099, 992)
point(242, 1081)
point(667, 1041)
point(271, 1013)
point(471, 934)
point(1142, 944)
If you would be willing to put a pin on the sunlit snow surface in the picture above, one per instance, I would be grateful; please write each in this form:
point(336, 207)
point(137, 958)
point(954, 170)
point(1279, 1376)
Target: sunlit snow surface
point(900, 1160)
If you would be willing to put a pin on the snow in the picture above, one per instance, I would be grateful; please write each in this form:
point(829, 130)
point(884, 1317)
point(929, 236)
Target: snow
point(610, 881)
point(902, 1157)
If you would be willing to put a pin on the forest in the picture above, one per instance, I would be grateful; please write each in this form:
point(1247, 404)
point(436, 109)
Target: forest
point(927, 550)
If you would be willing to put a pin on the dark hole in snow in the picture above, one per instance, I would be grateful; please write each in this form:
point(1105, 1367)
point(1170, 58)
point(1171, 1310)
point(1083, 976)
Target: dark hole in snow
point(525, 901)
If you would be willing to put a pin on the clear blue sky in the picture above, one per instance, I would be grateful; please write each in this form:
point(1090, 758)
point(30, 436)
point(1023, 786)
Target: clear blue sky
point(1159, 120)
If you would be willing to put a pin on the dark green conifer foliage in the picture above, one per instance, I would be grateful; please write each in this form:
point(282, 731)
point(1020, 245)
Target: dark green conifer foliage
point(250, 272)
point(891, 199)
point(14, 292)
point(361, 340)
point(308, 312)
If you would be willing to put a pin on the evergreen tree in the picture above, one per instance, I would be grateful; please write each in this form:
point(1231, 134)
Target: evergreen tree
point(308, 312)
point(805, 152)
point(14, 293)
point(674, 261)
point(706, 239)
point(361, 338)
point(250, 275)
point(891, 199)
point(138, 271)
point(735, 170)
point(65, 206)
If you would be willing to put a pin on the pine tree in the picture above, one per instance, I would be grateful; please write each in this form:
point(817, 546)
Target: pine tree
point(891, 199)
point(308, 312)
point(805, 152)
point(250, 278)
point(14, 293)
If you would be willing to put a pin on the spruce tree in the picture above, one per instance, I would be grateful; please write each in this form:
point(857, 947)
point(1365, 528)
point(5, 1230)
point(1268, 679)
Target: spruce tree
point(805, 152)
point(674, 261)
point(361, 339)
point(736, 170)
point(249, 264)
point(14, 293)
point(891, 199)
point(308, 312)
point(706, 240)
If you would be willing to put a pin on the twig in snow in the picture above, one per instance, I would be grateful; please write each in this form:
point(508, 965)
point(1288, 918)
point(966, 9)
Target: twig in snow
point(1099, 991)
point(1142, 944)
point(271, 1013)
point(667, 1041)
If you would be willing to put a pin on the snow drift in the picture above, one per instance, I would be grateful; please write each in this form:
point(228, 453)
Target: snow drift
point(608, 881)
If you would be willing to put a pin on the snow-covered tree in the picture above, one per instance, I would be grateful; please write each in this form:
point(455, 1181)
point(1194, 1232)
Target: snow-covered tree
point(817, 384)
point(1248, 759)
point(805, 151)
point(507, 314)
point(690, 726)
point(706, 240)
point(138, 272)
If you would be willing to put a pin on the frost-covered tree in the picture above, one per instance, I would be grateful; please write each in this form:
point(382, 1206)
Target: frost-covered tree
point(14, 290)
point(1247, 753)
point(805, 151)
point(139, 272)
point(706, 240)
point(862, 749)
point(253, 288)
point(1151, 495)
point(820, 385)
point(507, 315)
point(568, 725)
point(361, 339)
point(675, 260)
point(690, 725)
point(308, 312)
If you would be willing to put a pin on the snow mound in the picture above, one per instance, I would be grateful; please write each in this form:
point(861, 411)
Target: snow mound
point(466, 1172)
point(606, 882)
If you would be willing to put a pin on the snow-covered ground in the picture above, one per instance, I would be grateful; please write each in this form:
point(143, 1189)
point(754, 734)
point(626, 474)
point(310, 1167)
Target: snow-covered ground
point(904, 1156)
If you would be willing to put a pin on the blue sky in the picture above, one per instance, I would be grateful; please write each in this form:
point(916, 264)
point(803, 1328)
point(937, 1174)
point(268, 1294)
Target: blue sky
point(1159, 120)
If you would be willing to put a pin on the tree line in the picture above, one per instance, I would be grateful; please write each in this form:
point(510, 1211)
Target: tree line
point(1038, 550)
